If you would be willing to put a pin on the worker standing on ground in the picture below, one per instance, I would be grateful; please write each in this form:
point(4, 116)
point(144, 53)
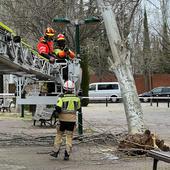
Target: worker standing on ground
point(67, 106)
point(45, 45)
point(61, 51)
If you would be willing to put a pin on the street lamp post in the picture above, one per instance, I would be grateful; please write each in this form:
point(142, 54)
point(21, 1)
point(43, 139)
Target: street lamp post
point(77, 38)
point(77, 24)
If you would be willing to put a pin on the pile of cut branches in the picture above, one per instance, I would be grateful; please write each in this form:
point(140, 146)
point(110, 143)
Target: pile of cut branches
point(140, 143)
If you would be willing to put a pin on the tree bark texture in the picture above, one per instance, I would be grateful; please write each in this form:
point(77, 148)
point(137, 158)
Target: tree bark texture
point(132, 106)
point(120, 64)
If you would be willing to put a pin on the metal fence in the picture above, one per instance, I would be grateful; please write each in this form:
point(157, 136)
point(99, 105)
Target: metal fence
point(151, 100)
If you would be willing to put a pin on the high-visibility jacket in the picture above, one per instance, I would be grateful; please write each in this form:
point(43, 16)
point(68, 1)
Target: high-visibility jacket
point(69, 104)
point(44, 46)
point(62, 54)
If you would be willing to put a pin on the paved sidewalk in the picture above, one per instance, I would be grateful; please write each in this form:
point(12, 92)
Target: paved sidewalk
point(85, 156)
point(112, 118)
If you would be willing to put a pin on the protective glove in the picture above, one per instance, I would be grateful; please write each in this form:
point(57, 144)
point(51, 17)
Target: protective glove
point(66, 49)
point(58, 109)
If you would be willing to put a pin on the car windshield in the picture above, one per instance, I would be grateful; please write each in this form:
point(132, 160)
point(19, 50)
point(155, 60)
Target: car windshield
point(156, 90)
point(92, 87)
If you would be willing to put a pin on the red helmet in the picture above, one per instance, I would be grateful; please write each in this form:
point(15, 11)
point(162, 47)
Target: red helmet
point(60, 37)
point(49, 31)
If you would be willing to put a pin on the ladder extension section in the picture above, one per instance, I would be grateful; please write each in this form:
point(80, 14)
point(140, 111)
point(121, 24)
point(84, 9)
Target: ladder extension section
point(20, 59)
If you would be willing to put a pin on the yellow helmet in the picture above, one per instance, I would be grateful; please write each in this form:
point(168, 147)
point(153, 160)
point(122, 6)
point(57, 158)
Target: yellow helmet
point(49, 31)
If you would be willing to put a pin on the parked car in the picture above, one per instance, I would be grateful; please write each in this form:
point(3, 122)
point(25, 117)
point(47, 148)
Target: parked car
point(156, 92)
point(101, 90)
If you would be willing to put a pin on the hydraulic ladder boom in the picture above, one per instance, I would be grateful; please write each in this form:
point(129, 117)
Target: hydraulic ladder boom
point(20, 59)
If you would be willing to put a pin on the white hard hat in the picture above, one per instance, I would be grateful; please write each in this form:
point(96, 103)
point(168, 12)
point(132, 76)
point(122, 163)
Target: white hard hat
point(69, 85)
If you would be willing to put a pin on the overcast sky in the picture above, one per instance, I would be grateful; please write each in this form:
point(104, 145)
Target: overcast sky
point(153, 7)
point(154, 13)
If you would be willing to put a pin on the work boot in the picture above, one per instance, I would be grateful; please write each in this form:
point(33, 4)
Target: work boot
point(66, 156)
point(54, 154)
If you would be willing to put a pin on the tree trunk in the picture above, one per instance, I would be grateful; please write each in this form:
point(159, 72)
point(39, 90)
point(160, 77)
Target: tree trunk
point(85, 80)
point(120, 64)
point(131, 102)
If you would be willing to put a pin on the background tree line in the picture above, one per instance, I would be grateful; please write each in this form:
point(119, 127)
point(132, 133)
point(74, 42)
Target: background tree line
point(148, 42)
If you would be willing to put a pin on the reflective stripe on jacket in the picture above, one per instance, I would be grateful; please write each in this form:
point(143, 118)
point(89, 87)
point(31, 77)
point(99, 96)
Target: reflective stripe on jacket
point(44, 46)
point(69, 105)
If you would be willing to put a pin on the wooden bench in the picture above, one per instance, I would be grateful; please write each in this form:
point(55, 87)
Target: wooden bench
point(159, 156)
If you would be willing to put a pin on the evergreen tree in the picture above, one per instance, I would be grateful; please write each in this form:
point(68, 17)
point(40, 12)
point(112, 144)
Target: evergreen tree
point(165, 49)
point(165, 58)
point(146, 52)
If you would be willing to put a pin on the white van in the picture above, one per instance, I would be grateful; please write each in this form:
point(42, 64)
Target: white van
point(101, 90)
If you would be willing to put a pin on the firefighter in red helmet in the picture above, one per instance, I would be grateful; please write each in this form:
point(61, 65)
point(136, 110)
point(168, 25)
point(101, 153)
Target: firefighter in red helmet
point(45, 45)
point(63, 54)
point(61, 51)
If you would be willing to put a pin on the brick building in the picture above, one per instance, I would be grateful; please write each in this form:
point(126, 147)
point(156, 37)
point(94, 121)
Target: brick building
point(156, 80)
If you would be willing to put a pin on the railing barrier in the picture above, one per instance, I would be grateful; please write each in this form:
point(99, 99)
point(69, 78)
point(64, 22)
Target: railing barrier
point(151, 99)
